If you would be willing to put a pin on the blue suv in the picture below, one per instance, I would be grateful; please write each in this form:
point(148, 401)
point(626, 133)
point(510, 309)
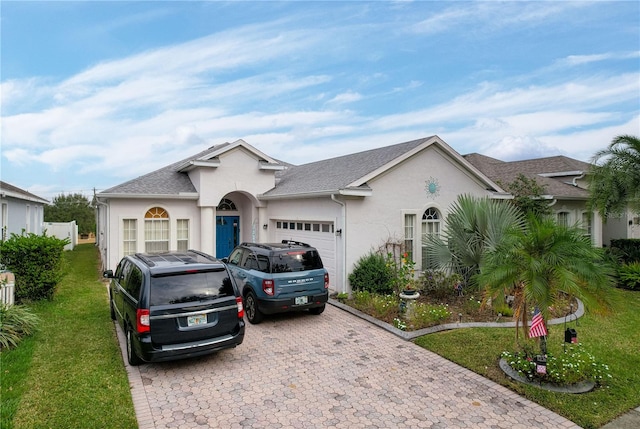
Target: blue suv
point(279, 277)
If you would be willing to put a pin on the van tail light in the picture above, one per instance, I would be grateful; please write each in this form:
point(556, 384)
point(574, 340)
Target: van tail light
point(268, 287)
point(142, 321)
point(326, 280)
point(240, 307)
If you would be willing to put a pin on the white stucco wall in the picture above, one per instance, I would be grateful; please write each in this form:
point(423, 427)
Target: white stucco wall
point(122, 208)
point(374, 220)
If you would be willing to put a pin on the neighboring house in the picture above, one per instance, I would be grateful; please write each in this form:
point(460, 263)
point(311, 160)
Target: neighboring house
point(564, 181)
point(344, 206)
point(21, 211)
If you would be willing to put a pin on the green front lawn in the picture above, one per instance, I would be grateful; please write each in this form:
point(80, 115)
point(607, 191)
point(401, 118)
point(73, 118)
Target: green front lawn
point(613, 339)
point(70, 374)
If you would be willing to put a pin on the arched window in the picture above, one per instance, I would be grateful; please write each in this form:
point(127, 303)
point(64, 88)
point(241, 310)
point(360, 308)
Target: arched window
point(430, 226)
point(227, 205)
point(156, 230)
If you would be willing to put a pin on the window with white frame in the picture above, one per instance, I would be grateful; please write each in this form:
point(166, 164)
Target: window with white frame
point(586, 223)
point(409, 234)
point(183, 234)
point(5, 220)
point(129, 236)
point(430, 226)
point(28, 219)
point(156, 230)
point(562, 218)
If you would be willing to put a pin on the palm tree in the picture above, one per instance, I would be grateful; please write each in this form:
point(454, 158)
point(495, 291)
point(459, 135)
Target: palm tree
point(614, 185)
point(537, 263)
point(474, 226)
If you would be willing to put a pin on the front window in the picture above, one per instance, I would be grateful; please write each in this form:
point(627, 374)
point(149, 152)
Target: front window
point(586, 223)
point(129, 235)
point(409, 234)
point(430, 227)
point(183, 234)
point(563, 218)
point(156, 230)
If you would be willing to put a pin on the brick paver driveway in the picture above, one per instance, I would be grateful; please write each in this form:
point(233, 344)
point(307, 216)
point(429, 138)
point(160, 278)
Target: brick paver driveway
point(333, 370)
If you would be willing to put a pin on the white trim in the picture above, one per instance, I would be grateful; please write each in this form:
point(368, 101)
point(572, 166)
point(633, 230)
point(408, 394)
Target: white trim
point(179, 196)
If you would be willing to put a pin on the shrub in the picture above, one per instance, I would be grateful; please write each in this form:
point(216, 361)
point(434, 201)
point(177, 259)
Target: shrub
point(438, 284)
point(627, 248)
point(16, 322)
point(629, 276)
point(425, 315)
point(372, 274)
point(573, 366)
point(36, 261)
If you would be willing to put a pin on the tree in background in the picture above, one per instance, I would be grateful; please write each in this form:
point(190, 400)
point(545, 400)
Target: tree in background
point(614, 184)
point(67, 208)
point(527, 196)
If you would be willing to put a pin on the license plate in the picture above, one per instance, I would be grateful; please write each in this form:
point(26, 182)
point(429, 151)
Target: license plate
point(198, 319)
point(301, 300)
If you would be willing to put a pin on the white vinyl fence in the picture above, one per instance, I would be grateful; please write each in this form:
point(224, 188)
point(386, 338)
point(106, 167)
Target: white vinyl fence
point(7, 288)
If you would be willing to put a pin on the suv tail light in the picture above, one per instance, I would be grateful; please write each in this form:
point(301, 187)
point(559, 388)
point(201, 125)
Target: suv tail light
point(142, 321)
point(240, 307)
point(326, 280)
point(268, 287)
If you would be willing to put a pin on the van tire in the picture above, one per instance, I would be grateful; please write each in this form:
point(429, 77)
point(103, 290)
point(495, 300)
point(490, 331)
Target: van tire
point(132, 357)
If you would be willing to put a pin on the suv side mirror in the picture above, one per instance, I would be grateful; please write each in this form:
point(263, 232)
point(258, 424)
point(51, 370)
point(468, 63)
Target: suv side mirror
point(107, 274)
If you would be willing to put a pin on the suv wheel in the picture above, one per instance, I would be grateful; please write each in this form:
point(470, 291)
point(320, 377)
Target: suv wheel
point(317, 310)
point(251, 309)
point(132, 357)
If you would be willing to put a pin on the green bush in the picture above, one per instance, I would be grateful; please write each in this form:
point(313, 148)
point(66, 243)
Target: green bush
point(627, 248)
point(629, 276)
point(438, 284)
point(36, 262)
point(372, 274)
point(16, 322)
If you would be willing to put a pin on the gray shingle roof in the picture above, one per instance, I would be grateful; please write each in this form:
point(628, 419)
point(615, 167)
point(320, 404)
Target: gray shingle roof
point(337, 173)
point(560, 186)
point(165, 181)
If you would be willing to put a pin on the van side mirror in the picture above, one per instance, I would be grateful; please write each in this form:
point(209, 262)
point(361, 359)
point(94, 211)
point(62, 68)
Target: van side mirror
point(225, 260)
point(107, 274)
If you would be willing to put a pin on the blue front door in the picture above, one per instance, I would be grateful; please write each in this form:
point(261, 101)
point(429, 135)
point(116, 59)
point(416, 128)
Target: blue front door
point(227, 234)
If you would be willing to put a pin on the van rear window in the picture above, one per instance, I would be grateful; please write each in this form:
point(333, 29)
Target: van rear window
point(190, 287)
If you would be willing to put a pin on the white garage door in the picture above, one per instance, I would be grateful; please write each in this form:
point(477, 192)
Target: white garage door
point(318, 234)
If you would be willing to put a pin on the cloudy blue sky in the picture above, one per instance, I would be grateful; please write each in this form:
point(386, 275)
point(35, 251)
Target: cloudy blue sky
point(96, 93)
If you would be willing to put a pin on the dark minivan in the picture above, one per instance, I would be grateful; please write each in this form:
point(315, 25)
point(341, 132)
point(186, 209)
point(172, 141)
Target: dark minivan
point(175, 305)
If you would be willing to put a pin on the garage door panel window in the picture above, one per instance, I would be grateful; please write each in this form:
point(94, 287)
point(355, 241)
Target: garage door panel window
point(326, 227)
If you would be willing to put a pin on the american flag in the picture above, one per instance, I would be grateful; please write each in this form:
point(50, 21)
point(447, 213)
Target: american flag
point(537, 325)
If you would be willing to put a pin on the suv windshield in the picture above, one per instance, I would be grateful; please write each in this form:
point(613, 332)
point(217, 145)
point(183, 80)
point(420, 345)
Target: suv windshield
point(295, 260)
point(189, 287)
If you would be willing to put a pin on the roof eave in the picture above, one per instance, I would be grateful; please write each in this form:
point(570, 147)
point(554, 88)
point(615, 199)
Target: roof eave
point(262, 165)
point(350, 192)
point(6, 193)
point(193, 164)
point(563, 173)
point(179, 196)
